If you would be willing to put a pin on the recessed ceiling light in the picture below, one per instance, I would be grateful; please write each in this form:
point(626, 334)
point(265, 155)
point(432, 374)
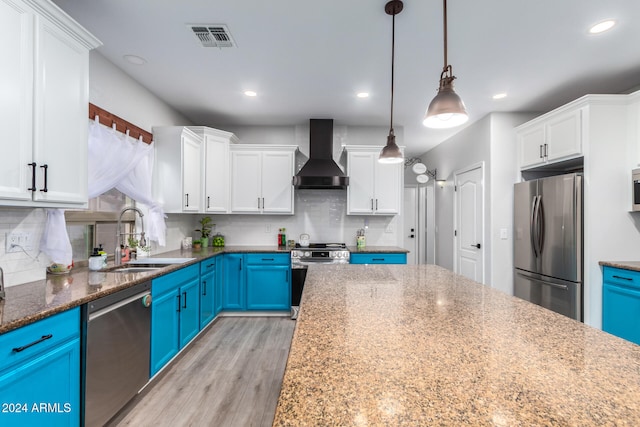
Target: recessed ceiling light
point(250, 93)
point(603, 26)
point(363, 94)
point(135, 60)
point(499, 95)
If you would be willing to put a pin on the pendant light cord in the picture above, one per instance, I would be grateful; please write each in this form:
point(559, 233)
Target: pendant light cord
point(444, 15)
point(393, 49)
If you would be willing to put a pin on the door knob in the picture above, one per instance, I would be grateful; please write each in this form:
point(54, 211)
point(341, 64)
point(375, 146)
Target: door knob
point(477, 245)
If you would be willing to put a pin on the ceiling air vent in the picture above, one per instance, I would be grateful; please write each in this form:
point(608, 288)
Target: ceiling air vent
point(213, 35)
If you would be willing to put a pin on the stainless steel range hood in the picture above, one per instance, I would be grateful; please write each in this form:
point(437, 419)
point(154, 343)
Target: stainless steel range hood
point(321, 172)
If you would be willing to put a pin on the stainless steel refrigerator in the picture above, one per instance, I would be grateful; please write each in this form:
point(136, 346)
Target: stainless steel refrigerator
point(548, 250)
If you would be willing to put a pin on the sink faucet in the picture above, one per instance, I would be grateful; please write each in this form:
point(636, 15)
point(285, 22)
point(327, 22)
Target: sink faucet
point(119, 241)
point(2, 295)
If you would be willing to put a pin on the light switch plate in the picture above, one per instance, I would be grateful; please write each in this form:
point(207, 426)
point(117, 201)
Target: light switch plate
point(504, 233)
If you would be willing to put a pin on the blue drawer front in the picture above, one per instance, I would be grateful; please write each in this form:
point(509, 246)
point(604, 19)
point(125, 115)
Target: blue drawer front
point(60, 327)
point(621, 312)
point(618, 276)
point(171, 281)
point(208, 265)
point(268, 258)
point(383, 258)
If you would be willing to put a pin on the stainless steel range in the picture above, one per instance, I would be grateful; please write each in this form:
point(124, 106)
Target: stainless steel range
point(315, 254)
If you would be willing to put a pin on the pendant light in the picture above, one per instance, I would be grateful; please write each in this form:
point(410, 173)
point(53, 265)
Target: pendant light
point(391, 152)
point(446, 110)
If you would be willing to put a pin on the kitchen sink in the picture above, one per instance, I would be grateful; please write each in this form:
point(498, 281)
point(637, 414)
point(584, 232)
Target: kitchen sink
point(147, 264)
point(136, 269)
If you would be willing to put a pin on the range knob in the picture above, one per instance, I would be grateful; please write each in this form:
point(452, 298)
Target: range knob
point(307, 254)
point(338, 254)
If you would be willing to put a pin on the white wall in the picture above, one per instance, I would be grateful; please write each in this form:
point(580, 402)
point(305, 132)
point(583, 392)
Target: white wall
point(492, 141)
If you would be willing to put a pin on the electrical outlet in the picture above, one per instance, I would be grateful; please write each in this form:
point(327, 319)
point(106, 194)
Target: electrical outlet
point(267, 228)
point(16, 242)
point(504, 234)
point(389, 228)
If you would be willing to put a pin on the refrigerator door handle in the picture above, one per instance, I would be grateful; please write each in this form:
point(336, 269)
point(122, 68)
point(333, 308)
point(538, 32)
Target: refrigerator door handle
point(540, 225)
point(544, 282)
point(532, 228)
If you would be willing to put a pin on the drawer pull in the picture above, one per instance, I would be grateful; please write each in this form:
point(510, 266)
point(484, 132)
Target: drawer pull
point(377, 259)
point(24, 347)
point(267, 259)
point(623, 278)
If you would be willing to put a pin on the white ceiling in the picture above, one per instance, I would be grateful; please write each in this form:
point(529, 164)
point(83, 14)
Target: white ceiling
point(309, 59)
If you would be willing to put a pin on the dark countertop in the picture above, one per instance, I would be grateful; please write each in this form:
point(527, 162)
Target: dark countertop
point(377, 249)
point(626, 265)
point(407, 345)
point(29, 302)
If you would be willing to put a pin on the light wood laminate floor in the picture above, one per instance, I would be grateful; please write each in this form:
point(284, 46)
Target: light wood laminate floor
point(231, 376)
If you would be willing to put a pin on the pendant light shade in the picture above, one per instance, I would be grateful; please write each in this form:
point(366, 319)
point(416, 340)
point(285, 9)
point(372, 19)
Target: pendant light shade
point(391, 152)
point(446, 110)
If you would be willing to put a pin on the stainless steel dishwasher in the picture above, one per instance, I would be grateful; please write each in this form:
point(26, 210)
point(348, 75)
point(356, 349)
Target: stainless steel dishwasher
point(117, 350)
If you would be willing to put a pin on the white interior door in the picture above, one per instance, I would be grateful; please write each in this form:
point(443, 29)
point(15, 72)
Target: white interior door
point(410, 224)
point(469, 218)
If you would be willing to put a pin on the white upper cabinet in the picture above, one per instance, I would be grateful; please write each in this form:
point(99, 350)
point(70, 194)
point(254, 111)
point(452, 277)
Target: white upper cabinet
point(374, 188)
point(215, 168)
point(553, 137)
point(261, 179)
point(44, 79)
point(177, 172)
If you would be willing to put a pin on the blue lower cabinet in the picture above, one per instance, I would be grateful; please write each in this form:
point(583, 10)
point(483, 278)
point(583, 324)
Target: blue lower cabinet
point(621, 303)
point(268, 287)
point(233, 289)
point(40, 373)
point(379, 258)
point(207, 291)
point(175, 314)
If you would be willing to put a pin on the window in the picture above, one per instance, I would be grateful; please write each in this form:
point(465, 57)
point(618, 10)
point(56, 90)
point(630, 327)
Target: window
point(97, 225)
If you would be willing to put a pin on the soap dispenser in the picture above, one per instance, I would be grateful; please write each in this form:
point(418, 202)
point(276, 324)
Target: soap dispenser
point(95, 260)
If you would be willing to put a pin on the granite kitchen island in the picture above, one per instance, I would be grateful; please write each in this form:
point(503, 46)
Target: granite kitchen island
point(422, 346)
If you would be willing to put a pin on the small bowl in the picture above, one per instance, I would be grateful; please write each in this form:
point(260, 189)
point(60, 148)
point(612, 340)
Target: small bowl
point(57, 268)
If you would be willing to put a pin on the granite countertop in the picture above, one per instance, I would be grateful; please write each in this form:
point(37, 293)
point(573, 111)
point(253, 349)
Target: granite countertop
point(377, 249)
point(626, 265)
point(33, 301)
point(420, 345)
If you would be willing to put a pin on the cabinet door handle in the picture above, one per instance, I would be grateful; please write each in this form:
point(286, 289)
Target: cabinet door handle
point(546, 150)
point(211, 265)
point(38, 341)
point(240, 264)
point(376, 204)
point(208, 202)
point(45, 189)
point(541, 151)
point(258, 202)
point(371, 204)
point(185, 300)
point(204, 288)
point(623, 278)
point(178, 296)
point(33, 176)
point(263, 203)
point(186, 200)
point(477, 245)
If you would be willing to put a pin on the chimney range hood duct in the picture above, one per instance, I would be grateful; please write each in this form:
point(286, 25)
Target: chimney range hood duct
point(321, 172)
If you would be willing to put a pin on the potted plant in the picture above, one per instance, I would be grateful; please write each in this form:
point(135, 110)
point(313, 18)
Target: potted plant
point(196, 245)
point(205, 230)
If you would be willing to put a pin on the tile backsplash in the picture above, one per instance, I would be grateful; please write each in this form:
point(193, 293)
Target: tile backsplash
point(319, 213)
